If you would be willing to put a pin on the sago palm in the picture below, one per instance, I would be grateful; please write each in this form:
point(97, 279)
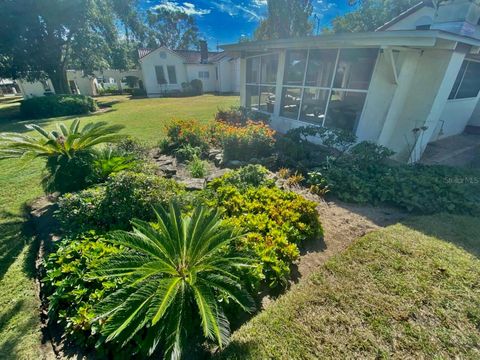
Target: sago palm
point(64, 141)
point(179, 272)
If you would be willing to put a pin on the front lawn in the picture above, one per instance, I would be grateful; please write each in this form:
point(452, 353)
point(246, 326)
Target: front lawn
point(407, 291)
point(20, 336)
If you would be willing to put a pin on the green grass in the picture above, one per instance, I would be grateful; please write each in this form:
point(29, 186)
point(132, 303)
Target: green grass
point(20, 335)
point(411, 290)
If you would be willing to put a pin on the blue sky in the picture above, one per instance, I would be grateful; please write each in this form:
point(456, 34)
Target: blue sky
point(225, 21)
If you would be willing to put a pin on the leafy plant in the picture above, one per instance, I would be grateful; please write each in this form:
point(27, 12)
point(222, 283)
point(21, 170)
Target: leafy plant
point(107, 162)
point(177, 270)
point(295, 179)
point(238, 115)
point(318, 184)
point(71, 292)
point(253, 140)
point(188, 152)
point(57, 105)
point(64, 141)
point(197, 168)
point(111, 206)
point(284, 173)
point(276, 221)
point(247, 176)
point(182, 132)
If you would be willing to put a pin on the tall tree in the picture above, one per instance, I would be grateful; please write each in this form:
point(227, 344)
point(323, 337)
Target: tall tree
point(286, 19)
point(173, 29)
point(41, 38)
point(370, 14)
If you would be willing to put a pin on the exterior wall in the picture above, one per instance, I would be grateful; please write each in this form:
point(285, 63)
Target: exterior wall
point(153, 59)
point(475, 119)
point(33, 89)
point(455, 117)
point(210, 84)
point(229, 76)
point(420, 17)
point(379, 99)
point(428, 92)
point(85, 84)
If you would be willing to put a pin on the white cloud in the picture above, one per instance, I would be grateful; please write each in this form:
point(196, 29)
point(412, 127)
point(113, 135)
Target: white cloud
point(235, 8)
point(259, 3)
point(186, 7)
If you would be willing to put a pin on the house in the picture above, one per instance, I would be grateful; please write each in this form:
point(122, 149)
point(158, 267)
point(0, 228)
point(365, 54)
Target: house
point(165, 70)
point(82, 84)
point(414, 81)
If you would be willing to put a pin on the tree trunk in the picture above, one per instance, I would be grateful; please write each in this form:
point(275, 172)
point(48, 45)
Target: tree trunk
point(59, 81)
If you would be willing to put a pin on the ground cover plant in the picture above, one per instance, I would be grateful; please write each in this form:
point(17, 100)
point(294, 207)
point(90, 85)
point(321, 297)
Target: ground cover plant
point(57, 105)
point(277, 221)
point(362, 173)
point(407, 291)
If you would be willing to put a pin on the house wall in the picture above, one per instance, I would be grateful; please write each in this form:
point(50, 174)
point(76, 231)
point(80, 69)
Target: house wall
point(87, 85)
point(153, 59)
point(379, 99)
point(428, 92)
point(229, 75)
point(33, 89)
point(210, 84)
point(475, 118)
point(455, 117)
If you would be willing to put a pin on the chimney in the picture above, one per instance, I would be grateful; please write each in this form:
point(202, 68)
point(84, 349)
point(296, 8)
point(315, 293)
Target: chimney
point(203, 51)
point(459, 17)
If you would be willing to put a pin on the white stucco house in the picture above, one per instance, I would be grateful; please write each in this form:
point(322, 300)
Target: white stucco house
point(413, 81)
point(164, 70)
point(83, 84)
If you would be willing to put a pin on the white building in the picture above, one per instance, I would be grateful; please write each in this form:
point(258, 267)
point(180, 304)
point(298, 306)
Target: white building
point(412, 82)
point(165, 70)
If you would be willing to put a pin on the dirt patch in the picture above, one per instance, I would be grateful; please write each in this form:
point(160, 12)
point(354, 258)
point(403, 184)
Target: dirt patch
point(342, 224)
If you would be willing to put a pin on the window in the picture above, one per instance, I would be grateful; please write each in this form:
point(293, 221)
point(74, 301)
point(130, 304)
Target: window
point(172, 75)
point(327, 87)
point(203, 74)
point(163, 55)
point(295, 67)
point(467, 84)
point(261, 79)
point(161, 80)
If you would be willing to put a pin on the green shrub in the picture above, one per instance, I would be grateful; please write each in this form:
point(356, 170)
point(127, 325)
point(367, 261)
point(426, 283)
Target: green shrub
point(182, 132)
point(66, 174)
point(196, 86)
point(247, 176)
point(197, 168)
point(238, 115)
point(57, 105)
point(124, 196)
point(130, 146)
point(276, 221)
point(109, 161)
point(187, 153)
point(363, 176)
point(253, 140)
point(71, 292)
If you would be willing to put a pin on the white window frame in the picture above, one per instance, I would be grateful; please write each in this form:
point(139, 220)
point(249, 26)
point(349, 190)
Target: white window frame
point(175, 72)
point(330, 89)
point(468, 61)
point(260, 84)
point(201, 74)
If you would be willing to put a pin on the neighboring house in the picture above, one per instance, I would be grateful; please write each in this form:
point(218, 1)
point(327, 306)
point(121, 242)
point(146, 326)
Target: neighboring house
point(8, 87)
point(414, 81)
point(85, 84)
point(165, 70)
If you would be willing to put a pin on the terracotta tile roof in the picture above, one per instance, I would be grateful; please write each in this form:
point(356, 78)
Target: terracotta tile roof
point(190, 56)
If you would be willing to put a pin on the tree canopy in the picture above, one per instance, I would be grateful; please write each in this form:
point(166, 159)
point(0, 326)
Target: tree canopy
point(370, 14)
point(41, 38)
point(173, 29)
point(286, 19)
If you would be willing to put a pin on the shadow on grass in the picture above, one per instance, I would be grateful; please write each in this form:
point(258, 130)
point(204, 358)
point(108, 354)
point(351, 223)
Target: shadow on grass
point(12, 242)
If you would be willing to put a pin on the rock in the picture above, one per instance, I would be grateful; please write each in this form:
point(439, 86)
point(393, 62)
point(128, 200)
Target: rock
point(234, 164)
point(193, 184)
point(165, 160)
point(216, 174)
point(218, 160)
point(168, 170)
point(213, 153)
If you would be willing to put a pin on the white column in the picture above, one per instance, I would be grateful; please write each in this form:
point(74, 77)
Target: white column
point(438, 105)
point(279, 83)
point(243, 80)
point(406, 76)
